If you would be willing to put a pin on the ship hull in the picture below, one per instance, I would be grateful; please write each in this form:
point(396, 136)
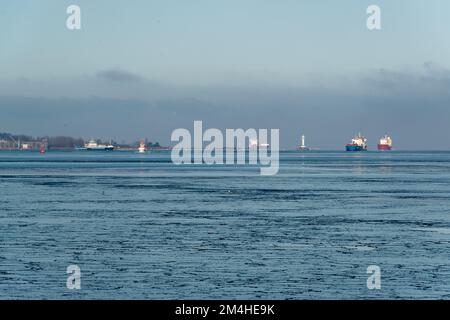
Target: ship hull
point(354, 148)
point(384, 147)
point(100, 149)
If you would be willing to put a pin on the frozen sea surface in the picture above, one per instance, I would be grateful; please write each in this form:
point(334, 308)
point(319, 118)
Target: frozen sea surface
point(140, 227)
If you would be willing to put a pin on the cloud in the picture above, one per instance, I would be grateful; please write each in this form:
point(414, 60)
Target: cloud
point(429, 81)
point(410, 104)
point(118, 75)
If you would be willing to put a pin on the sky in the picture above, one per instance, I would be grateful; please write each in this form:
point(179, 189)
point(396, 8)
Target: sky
point(142, 68)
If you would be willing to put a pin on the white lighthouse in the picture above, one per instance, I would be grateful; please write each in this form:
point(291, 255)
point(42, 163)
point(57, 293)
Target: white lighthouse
point(303, 146)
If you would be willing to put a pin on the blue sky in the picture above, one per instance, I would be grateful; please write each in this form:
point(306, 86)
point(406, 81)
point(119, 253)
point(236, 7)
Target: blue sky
point(226, 54)
point(192, 41)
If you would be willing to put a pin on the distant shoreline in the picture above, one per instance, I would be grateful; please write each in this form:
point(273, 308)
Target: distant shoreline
point(170, 149)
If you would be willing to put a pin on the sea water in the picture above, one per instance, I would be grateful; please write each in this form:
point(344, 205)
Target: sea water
point(140, 227)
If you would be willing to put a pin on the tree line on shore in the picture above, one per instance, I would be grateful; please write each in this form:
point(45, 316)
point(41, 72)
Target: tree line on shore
point(64, 142)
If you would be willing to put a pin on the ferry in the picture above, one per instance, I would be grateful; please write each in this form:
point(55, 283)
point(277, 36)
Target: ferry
point(92, 145)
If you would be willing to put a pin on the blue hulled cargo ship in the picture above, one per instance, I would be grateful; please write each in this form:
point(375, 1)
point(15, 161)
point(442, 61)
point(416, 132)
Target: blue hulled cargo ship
point(359, 143)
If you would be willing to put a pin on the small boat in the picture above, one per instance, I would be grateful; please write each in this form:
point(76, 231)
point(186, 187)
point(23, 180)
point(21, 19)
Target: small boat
point(255, 145)
point(142, 148)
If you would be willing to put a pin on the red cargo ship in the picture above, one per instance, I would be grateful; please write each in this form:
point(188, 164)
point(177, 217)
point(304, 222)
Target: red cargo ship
point(385, 143)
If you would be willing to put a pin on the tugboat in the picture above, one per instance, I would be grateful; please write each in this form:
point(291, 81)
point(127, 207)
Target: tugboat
point(385, 143)
point(359, 143)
